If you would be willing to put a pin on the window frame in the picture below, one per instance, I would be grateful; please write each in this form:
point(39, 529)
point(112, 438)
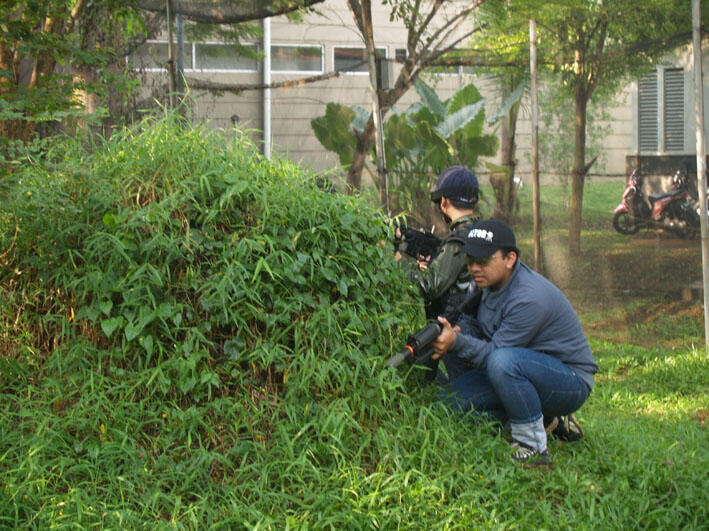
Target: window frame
point(288, 45)
point(160, 69)
point(649, 110)
point(193, 67)
point(355, 47)
point(196, 69)
point(657, 110)
point(670, 103)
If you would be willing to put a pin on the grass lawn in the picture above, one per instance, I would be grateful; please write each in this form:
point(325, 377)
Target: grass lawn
point(101, 431)
point(85, 446)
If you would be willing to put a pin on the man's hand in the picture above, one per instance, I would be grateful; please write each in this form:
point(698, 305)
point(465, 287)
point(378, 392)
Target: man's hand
point(445, 339)
point(423, 262)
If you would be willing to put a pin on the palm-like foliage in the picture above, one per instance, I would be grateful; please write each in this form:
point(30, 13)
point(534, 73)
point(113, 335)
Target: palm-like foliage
point(420, 142)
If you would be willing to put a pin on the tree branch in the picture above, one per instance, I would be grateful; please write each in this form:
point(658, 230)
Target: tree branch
point(200, 84)
point(227, 12)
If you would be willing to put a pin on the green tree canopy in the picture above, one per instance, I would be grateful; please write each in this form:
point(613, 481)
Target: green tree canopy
point(594, 48)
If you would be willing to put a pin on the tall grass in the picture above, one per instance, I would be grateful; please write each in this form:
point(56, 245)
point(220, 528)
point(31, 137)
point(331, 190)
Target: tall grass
point(194, 337)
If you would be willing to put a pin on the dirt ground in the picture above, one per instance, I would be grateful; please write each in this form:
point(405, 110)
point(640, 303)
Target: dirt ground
point(625, 290)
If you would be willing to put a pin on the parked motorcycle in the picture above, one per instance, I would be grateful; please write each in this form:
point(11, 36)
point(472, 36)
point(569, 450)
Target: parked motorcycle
point(674, 210)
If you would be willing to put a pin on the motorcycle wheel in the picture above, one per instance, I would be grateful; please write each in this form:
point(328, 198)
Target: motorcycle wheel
point(624, 223)
point(691, 227)
point(691, 232)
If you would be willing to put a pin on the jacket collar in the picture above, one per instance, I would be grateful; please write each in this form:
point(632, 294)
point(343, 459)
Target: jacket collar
point(467, 218)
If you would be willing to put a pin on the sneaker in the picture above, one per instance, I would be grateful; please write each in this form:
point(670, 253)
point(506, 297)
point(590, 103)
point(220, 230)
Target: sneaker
point(529, 457)
point(550, 424)
point(568, 429)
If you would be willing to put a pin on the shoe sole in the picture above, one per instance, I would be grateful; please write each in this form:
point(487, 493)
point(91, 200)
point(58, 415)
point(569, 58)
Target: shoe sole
point(577, 432)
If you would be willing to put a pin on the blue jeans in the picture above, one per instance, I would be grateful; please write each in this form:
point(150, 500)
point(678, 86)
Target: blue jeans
point(518, 385)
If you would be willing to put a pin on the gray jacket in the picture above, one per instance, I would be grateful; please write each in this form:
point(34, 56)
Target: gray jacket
point(530, 312)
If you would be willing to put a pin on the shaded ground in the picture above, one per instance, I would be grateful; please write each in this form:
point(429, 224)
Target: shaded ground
point(646, 323)
point(643, 289)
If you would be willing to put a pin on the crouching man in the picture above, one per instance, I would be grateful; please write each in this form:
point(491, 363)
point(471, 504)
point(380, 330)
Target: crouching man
point(524, 356)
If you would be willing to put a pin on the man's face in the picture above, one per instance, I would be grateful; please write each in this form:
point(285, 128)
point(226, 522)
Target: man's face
point(494, 271)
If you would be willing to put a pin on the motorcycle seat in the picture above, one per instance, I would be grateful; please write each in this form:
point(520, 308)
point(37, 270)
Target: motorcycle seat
point(662, 195)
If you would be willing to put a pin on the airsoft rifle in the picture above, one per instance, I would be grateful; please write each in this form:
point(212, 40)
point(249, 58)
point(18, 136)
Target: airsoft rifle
point(418, 347)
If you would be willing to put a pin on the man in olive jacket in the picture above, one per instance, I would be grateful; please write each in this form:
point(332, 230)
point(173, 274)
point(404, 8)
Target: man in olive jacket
point(444, 280)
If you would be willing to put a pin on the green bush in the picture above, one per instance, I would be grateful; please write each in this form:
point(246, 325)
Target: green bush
point(183, 262)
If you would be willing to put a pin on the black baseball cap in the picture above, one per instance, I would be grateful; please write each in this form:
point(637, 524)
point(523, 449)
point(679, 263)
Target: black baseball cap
point(487, 236)
point(456, 182)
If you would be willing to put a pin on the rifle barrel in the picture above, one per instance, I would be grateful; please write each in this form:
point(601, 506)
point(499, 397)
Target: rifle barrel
point(419, 349)
point(397, 360)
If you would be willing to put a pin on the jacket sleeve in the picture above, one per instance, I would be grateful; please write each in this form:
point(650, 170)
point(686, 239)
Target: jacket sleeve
point(441, 273)
point(521, 322)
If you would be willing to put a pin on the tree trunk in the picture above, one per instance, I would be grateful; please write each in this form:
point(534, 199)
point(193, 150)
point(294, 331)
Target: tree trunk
point(410, 70)
point(42, 64)
point(503, 185)
point(359, 157)
point(387, 98)
point(368, 34)
point(579, 168)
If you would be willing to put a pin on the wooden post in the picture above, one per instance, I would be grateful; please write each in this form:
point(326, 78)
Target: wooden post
point(180, 80)
point(535, 145)
point(266, 67)
point(376, 107)
point(170, 55)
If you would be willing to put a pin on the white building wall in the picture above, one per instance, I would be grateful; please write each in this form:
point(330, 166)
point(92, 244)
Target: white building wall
point(294, 108)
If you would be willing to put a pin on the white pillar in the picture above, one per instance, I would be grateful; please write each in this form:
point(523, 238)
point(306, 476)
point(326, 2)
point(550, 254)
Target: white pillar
point(701, 153)
point(266, 67)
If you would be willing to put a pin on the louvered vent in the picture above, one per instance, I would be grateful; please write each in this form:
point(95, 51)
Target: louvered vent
point(647, 113)
point(674, 109)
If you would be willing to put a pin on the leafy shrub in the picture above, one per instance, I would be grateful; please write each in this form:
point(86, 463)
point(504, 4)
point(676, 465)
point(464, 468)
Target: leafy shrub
point(421, 142)
point(173, 247)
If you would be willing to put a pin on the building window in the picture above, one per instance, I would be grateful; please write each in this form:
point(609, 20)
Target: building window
point(661, 117)
point(215, 57)
point(647, 113)
point(353, 59)
point(222, 57)
point(674, 109)
point(225, 57)
point(153, 56)
point(287, 58)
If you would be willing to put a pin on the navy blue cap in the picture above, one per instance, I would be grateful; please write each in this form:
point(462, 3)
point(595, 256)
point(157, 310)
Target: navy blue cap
point(487, 236)
point(458, 183)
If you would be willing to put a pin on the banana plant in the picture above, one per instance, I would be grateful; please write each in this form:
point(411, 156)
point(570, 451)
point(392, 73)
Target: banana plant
point(430, 136)
point(434, 134)
point(420, 142)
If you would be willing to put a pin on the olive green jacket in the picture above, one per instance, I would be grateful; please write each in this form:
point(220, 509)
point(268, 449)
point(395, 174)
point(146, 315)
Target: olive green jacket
point(447, 273)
